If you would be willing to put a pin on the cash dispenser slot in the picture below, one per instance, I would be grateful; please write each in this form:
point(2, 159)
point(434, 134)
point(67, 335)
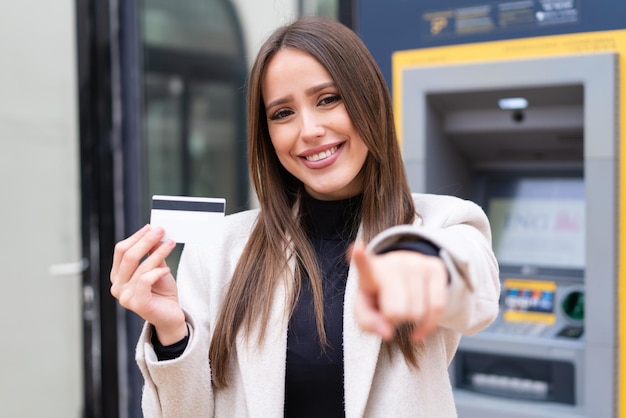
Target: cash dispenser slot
point(516, 377)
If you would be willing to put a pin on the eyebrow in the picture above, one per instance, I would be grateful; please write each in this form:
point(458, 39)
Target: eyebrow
point(309, 92)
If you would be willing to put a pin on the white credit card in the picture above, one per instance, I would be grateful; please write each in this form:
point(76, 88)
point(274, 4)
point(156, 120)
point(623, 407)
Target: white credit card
point(188, 219)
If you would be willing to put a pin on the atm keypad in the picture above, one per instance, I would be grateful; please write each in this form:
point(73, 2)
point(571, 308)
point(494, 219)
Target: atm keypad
point(522, 328)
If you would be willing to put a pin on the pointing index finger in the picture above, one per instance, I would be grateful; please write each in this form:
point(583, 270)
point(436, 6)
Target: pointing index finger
point(361, 258)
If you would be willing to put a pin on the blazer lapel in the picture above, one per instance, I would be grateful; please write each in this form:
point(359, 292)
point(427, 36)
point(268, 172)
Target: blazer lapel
point(262, 366)
point(360, 354)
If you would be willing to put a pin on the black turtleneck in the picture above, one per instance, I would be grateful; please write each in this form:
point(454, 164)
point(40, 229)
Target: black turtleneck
point(314, 377)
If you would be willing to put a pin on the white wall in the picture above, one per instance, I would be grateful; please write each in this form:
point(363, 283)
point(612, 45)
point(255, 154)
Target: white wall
point(259, 18)
point(40, 314)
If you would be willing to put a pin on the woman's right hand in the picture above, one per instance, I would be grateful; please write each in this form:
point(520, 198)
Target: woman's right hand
point(147, 287)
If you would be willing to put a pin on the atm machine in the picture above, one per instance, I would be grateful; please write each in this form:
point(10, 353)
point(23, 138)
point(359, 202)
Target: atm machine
point(534, 141)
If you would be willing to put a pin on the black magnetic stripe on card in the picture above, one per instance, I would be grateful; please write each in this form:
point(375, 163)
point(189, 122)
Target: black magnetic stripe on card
point(188, 205)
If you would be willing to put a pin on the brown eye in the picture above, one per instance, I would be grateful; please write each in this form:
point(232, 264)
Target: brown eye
point(281, 114)
point(330, 99)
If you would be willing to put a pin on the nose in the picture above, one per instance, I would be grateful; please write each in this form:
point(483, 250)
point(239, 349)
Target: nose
point(311, 126)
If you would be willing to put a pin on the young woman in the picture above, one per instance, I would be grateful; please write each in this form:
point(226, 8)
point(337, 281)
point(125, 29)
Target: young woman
point(274, 317)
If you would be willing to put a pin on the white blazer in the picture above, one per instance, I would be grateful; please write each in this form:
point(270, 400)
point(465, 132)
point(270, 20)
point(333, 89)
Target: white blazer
point(376, 384)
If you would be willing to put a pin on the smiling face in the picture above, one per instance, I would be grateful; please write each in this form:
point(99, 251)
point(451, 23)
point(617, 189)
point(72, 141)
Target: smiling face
point(310, 129)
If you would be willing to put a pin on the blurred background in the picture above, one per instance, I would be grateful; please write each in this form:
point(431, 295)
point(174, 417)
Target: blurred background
point(104, 103)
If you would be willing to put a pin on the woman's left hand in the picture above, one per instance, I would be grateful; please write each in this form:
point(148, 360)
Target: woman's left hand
point(399, 287)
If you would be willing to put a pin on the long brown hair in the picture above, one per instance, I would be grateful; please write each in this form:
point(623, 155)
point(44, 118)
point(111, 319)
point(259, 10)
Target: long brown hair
point(277, 234)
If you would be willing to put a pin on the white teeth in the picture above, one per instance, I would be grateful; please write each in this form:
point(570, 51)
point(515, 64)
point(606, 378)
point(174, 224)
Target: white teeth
point(322, 155)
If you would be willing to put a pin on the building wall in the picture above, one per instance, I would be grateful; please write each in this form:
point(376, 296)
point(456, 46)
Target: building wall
point(40, 301)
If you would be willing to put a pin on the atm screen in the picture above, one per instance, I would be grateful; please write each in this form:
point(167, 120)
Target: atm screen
point(538, 222)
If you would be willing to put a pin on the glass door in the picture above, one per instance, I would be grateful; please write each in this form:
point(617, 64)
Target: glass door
point(194, 114)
